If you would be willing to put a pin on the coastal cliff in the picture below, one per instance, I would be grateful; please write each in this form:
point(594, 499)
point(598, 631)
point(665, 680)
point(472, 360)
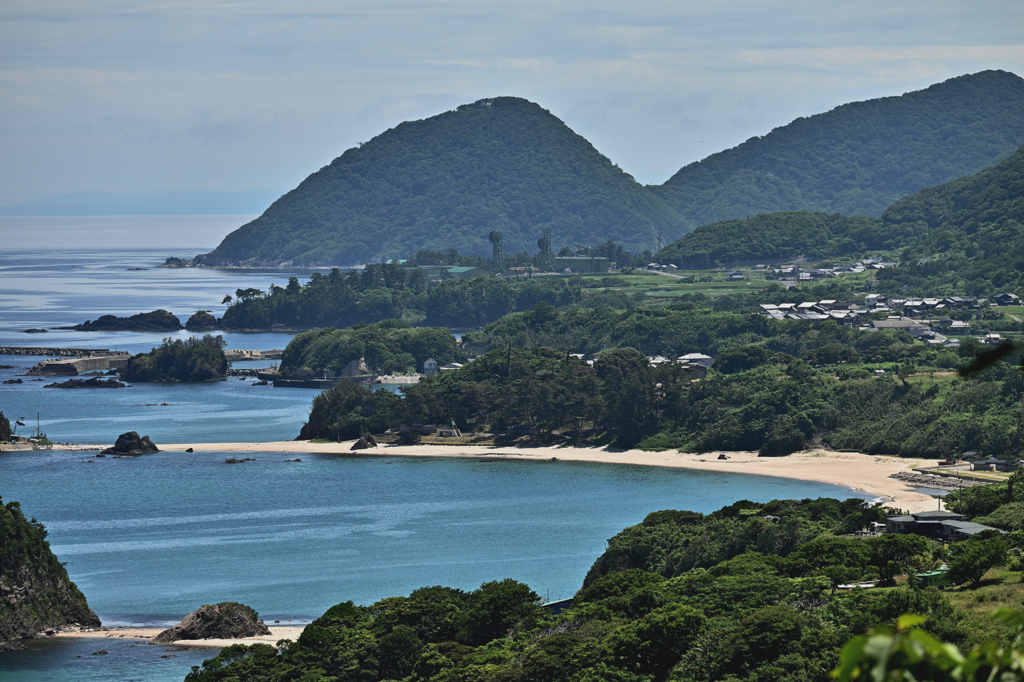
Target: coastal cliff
point(36, 594)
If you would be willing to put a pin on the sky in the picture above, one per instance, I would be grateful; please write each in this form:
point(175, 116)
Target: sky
point(146, 97)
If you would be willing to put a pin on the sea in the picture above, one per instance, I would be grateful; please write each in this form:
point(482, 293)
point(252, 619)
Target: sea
point(151, 538)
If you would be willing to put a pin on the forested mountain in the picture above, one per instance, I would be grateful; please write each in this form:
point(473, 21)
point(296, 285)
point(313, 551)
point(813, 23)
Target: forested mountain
point(779, 237)
point(497, 164)
point(963, 237)
point(860, 157)
point(972, 233)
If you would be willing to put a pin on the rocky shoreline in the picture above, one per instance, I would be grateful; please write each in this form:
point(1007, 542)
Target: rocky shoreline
point(936, 481)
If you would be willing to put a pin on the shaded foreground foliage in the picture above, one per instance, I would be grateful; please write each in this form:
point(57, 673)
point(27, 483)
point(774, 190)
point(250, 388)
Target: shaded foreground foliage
point(746, 593)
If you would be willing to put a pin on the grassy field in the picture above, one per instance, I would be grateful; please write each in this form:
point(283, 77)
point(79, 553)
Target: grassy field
point(999, 587)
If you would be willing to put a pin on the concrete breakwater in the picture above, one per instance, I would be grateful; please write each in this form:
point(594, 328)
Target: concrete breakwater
point(59, 352)
point(73, 366)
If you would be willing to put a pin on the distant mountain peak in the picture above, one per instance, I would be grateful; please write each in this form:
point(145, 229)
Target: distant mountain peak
point(500, 163)
point(860, 157)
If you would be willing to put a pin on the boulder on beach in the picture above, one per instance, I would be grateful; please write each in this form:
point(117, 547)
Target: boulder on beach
point(227, 620)
point(364, 442)
point(131, 444)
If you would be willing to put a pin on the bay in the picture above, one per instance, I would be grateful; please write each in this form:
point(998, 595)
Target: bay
point(150, 539)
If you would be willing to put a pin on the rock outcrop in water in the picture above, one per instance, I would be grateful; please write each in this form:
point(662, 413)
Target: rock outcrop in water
point(94, 382)
point(227, 620)
point(36, 595)
point(131, 444)
point(202, 321)
point(156, 321)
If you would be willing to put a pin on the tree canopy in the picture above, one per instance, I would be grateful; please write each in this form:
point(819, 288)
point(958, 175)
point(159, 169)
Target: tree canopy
point(501, 164)
point(858, 158)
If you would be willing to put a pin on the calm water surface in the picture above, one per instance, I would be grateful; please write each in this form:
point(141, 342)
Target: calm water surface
point(152, 538)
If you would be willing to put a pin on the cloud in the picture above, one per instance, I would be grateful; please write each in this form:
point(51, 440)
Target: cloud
point(162, 95)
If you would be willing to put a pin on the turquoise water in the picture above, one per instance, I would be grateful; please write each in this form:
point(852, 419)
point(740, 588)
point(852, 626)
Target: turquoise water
point(152, 538)
point(53, 288)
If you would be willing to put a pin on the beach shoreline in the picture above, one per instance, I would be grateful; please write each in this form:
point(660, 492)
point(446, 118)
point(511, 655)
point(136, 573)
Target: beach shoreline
point(277, 633)
point(867, 474)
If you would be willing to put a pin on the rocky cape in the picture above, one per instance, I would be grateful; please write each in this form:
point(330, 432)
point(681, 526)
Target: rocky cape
point(226, 620)
point(36, 595)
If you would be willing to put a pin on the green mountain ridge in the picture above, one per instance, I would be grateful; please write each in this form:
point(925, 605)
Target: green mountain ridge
point(507, 164)
point(858, 158)
point(447, 181)
point(965, 235)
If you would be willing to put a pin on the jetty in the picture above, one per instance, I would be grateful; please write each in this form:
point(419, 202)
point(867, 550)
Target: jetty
point(58, 352)
point(86, 361)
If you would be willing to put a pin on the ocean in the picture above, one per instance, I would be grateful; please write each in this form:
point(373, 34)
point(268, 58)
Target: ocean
point(152, 538)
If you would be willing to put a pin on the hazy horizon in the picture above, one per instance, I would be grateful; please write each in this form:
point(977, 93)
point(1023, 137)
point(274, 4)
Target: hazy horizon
point(153, 99)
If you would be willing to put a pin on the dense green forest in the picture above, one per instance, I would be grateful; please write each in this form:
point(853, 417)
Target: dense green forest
point(964, 237)
point(37, 593)
point(388, 347)
point(497, 164)
point(858, 158)
point(776, 387)
point(784, 236)
point(506, 164)
point(192, 360)
point(389, 291)
point(972, 237)
point(5, 428)
point(746, 594)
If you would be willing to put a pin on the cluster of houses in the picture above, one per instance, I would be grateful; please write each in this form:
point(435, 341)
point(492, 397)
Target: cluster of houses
point(900, 314)
point(697, 362)
point(797, 274)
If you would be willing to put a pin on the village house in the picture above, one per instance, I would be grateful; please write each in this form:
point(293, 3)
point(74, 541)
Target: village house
point(944, 526)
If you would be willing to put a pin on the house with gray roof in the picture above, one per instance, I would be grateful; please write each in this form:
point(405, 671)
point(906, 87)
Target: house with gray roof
point(944, 526)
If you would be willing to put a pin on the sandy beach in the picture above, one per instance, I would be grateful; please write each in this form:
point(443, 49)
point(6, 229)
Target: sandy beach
point(277, 633)
point(865, 473)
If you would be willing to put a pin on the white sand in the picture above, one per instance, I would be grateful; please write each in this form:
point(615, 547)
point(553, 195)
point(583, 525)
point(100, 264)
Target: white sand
point(276, 633)
point(865, 473)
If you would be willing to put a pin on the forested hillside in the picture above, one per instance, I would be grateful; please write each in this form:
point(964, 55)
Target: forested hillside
point(775, 386)
point(35, 592)
point(858, 158)
point(963, 237)
point(745, 594)
point(780, 237)
point(971, 234)
point(497, 164)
